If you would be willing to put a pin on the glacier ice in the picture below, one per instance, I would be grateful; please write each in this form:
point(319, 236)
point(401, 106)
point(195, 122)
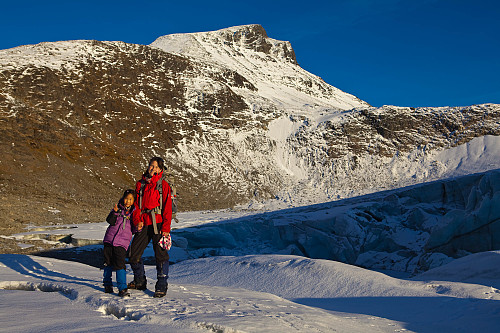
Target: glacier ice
point(411, 229)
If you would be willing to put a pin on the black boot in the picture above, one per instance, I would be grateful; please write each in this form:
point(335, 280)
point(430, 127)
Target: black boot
point(139, 281)
point(108, 289)
point(162, 275)
point(124, 293)
point(139, 285)
point(160, 293)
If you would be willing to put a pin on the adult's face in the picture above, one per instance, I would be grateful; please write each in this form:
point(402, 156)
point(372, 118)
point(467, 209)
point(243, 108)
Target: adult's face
point(153, 169)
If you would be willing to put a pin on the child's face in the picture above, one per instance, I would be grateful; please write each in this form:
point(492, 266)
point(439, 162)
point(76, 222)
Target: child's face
point(128, 200)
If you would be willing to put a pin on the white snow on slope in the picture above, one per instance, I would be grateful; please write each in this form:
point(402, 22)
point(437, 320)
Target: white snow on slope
point(323, 182)
point(480, 154)
point(279, 131)
point(478, 268)
point(275, 76)
point(54, 55)
point(247, 294)
point(424, 304)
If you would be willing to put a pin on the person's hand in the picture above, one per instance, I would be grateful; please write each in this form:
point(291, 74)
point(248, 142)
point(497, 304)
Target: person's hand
point(140, 225)
point(164, 233)
point(115, 208)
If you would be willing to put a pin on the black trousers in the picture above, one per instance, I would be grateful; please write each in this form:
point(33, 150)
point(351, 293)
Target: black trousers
point(114, 256)
point(141, 241)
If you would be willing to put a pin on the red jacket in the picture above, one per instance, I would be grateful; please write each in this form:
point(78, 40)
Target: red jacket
point(151, 200)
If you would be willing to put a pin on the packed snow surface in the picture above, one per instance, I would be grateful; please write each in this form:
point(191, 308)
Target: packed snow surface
point(252, 294)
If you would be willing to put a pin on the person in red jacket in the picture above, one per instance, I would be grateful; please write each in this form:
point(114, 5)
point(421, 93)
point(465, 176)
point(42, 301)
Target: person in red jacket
point(154, 222)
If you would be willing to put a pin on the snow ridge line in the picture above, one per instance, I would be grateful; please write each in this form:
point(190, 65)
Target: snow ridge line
point(71, 293)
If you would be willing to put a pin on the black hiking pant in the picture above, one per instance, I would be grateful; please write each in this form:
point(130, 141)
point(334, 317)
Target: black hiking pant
point(141, 241)
point(114, 256)
point(139, 244)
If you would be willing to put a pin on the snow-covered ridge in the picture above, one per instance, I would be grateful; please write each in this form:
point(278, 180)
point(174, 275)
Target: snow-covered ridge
point(252, 37)
point(270, 65)
point(63, 55)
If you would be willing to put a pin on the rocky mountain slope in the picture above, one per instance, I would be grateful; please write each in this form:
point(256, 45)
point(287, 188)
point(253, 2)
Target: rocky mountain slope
point(233, 113)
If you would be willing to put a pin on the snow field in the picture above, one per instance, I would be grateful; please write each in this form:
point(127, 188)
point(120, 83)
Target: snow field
point(187, 307)
point(270, 293)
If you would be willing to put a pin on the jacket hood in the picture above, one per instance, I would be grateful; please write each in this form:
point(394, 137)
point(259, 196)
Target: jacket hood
point(153, 179)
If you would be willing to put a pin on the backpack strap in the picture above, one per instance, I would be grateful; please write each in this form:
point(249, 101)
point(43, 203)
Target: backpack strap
point(158, 209)
point(141, 192)
point(173, 194)
point(125, 216)
point(153, 218)
point(159, 188)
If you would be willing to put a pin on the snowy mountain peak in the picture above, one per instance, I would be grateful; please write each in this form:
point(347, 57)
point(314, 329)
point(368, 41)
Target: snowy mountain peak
point(250, 37)
point(268, 64)
point(254, 37)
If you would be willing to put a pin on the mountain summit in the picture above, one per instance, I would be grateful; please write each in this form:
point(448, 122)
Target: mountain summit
point(252, 37)
point(270, 65)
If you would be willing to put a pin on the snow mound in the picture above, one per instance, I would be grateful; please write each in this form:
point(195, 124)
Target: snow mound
point(290, 277)
point(186, 308)
point(478, 268)
point(42, 286)
point(478, 155)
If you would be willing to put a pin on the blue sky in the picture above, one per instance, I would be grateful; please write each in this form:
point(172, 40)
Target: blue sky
point(399, 52)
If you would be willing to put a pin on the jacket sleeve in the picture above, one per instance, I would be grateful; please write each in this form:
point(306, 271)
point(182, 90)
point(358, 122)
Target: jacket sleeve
point(136, 217)
point(167, 207)
point(111, 219)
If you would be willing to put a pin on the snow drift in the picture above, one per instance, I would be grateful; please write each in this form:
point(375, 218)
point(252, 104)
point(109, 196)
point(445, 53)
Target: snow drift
point(272, 293)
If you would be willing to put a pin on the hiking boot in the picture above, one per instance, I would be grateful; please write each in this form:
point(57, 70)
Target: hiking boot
point(108, 289)
point(159, 294)
point(161, 288)
point(124, 293)
point(138, 286)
